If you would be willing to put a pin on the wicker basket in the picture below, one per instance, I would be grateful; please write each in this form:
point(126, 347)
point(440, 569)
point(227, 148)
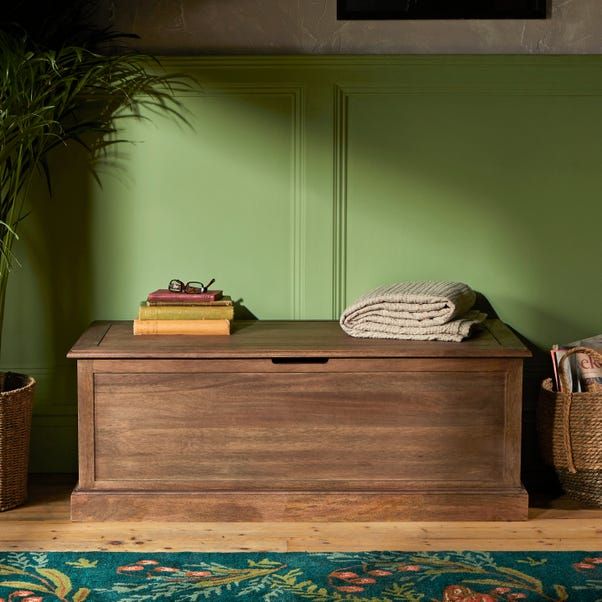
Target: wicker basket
point(16, 398)
point(570, 434)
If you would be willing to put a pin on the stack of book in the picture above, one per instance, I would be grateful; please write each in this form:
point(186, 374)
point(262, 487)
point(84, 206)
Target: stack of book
point(165, 312)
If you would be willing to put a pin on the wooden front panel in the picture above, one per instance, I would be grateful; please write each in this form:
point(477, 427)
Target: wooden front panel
point(264, 430)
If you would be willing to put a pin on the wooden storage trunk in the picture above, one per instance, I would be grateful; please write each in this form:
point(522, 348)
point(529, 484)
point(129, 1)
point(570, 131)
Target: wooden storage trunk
point(294, 420)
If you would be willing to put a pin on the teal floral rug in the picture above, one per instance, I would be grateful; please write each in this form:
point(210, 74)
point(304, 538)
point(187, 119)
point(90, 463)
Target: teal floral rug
point(365, 576)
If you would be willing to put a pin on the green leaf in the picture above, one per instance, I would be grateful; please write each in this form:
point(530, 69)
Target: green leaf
point(264, 562)
point(5, 569)
point(532, 562)
point(496, 582)
point(535, 583)
point(81, 594)
point(60, 580)
point(36, 587)
point(83, 563)
point(11, 230)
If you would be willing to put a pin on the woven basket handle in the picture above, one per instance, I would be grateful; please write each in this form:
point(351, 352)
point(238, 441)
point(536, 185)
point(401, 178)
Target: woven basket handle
point(567, 398)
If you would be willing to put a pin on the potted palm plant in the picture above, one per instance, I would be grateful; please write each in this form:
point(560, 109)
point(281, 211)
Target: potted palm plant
point(61, 82)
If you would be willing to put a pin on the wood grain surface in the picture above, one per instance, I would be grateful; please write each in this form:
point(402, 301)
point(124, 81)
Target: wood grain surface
point(286, 338)
point(283, 506)
point(302, 426)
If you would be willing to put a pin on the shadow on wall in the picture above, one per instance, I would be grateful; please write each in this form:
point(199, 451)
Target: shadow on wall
point(536, 476)
point(242, 312)
point(49, 304)
point(61, 252)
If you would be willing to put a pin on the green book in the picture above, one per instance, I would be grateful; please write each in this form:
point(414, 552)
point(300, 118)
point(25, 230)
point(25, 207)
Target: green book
point(185, 312)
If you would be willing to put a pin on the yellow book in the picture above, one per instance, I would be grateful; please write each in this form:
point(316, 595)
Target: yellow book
point(185, 312)
point(195, 327)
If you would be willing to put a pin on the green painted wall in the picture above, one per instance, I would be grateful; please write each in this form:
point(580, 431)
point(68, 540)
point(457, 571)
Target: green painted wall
point(306, 181)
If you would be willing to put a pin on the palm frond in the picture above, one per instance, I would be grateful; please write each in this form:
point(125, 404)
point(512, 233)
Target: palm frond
point(65, 90)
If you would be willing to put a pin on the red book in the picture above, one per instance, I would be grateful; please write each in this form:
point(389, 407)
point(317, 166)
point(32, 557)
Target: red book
point(165, 296)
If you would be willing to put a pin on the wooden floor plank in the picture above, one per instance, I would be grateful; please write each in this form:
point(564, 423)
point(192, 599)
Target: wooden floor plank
point(44, 524)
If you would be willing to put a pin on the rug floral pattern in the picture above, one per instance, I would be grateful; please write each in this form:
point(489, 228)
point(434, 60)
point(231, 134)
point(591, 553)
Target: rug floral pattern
point(274, 577)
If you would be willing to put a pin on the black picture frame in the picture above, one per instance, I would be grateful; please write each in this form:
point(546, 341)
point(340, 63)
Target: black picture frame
point(441, 9)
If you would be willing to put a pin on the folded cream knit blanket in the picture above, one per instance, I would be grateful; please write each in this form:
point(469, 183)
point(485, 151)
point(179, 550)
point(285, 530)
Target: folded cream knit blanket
point(421, 311)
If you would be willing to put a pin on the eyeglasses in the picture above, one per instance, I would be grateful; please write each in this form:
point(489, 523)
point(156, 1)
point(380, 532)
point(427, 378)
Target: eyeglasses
point(177, 286)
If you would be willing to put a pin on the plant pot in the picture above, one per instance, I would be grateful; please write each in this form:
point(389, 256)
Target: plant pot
point(16, 398)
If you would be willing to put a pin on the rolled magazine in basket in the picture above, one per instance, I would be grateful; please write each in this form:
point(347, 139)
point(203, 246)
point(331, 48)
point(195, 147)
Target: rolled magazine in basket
point(583, 369)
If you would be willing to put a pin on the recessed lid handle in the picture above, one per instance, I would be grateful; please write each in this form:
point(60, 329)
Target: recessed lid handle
point(299, 360)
